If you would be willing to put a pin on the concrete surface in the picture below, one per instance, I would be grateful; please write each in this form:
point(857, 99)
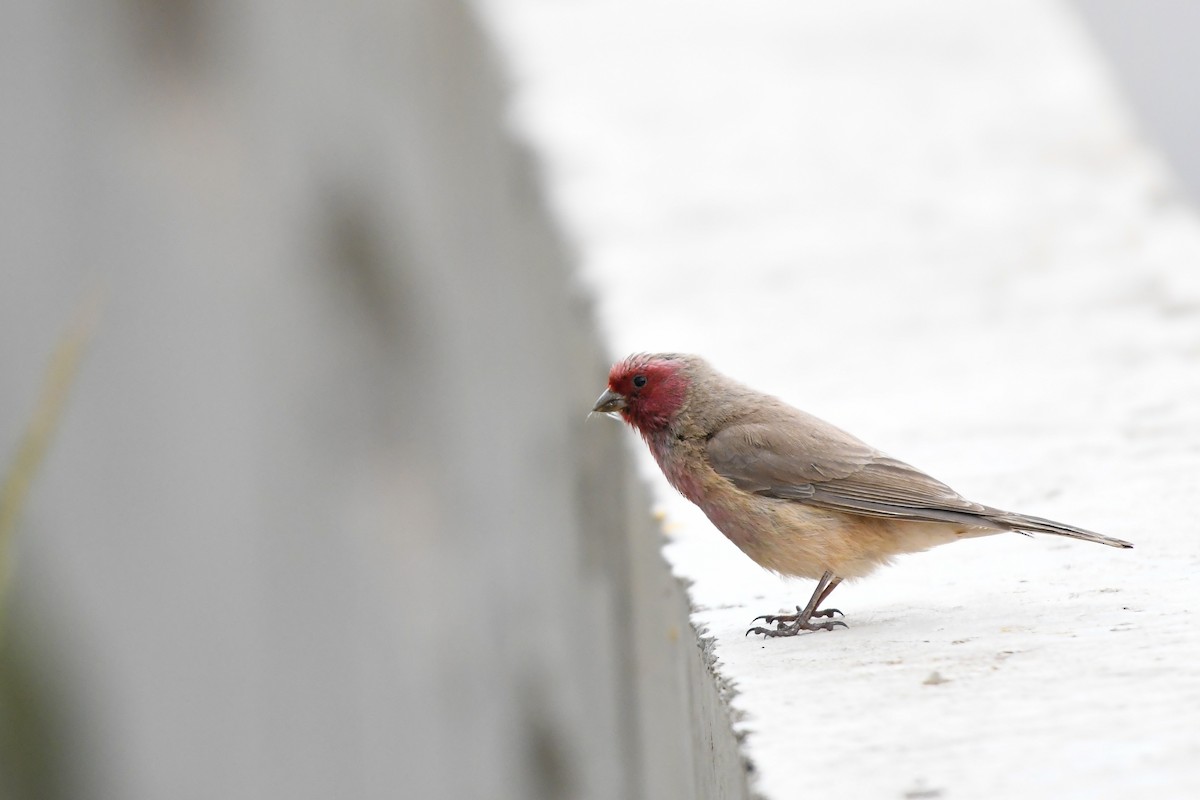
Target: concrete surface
point(932, 224)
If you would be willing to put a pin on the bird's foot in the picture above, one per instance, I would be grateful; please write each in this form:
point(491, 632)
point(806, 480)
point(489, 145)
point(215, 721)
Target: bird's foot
point(771, 619)
point(792, 624)
point(798, 626)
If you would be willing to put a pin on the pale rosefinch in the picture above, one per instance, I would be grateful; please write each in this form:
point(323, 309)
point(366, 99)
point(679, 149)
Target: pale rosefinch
point(797, 495)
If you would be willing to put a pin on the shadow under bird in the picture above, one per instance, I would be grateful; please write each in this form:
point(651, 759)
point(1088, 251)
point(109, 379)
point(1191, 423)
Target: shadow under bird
point(796, 494)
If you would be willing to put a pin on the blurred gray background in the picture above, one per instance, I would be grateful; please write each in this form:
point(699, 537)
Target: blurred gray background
point(325, 516)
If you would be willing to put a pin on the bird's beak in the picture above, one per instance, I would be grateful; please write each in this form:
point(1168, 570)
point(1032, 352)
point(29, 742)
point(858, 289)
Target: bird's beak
point(609, 402)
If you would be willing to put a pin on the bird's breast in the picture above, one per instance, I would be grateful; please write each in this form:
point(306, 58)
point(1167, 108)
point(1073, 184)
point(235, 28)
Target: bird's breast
point(682, 466)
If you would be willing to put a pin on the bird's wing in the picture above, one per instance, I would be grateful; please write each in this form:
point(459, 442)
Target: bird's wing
point(804, 459)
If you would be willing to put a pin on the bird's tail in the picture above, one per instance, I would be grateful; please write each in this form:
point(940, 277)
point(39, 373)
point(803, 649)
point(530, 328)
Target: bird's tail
point(1021, 522)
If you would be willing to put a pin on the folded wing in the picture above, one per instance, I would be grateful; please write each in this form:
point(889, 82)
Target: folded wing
point(799, 457)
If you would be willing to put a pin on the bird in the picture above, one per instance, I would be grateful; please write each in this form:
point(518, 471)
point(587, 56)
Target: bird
point(796, 494)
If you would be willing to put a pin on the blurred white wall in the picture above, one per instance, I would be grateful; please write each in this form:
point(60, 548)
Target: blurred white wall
point(1150, 47)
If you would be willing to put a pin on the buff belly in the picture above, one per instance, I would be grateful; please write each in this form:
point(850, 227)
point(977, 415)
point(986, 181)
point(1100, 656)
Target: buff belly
point(791, 538)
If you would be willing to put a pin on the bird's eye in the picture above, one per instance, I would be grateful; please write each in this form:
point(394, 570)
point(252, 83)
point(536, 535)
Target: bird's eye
point(639, 381)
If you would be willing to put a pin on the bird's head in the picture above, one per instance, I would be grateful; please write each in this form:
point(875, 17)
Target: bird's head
point(646, 390)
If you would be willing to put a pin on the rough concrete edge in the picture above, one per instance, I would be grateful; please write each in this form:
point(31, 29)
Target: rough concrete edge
point(688, 743)
point(727, 690)
point(707, 758)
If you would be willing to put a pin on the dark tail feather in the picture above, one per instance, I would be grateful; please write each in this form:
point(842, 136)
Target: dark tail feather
point(1023, 523)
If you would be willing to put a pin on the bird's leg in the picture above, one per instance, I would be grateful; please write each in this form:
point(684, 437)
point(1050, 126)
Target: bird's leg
point(827, 612)
point(819, 595)
point(792, 624)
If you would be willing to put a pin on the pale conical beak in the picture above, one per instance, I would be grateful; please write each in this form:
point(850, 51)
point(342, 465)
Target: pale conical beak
point(609, 402)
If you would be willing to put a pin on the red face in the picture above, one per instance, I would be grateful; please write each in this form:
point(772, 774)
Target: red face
point(647, 391)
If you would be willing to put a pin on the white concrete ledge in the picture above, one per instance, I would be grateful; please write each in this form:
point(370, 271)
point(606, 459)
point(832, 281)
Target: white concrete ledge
point(933, 225)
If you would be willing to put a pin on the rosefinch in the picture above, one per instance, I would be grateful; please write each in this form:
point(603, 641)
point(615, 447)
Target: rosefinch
point(797, 495)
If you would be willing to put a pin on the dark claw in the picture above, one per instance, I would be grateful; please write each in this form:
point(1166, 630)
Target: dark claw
point(797, 627)
point(771, 619)
point(826, 612)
